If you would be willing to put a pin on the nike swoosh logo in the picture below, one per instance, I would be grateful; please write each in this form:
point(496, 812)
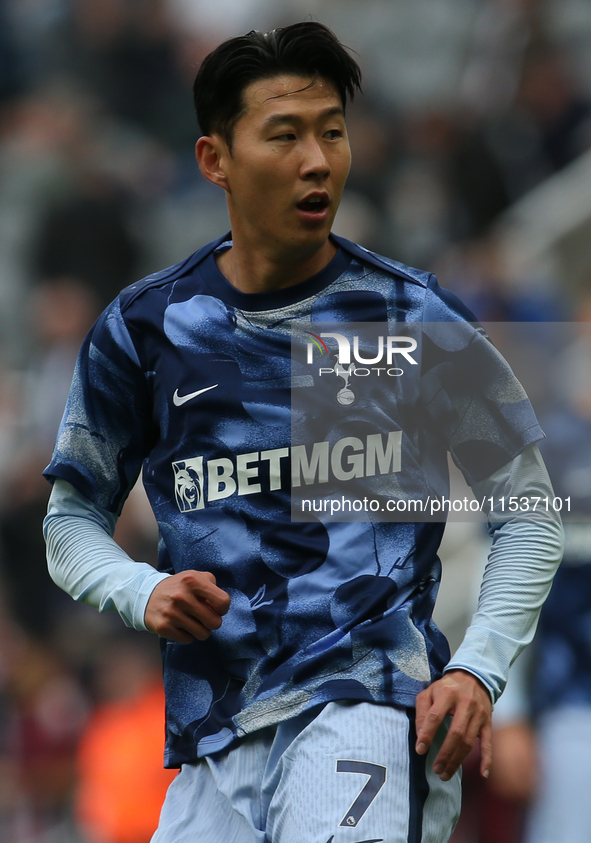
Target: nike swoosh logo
point(179, 400)
point(375, 840)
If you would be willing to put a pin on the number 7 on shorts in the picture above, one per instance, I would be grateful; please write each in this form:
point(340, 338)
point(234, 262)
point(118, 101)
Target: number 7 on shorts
point(377, 777)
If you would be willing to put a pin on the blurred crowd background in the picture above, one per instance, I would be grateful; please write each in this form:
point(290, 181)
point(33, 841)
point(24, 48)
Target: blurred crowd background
point(471, 158)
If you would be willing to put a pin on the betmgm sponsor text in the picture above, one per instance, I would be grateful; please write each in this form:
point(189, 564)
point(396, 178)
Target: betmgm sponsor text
point(199, 481)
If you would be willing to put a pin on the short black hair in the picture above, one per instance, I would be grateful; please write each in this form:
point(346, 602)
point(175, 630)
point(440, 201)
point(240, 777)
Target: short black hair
point(306, 49)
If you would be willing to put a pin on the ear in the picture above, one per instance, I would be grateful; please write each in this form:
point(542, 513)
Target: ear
point(211, 153)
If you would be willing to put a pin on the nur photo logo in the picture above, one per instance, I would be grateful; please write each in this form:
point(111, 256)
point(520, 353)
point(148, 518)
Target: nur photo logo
point(348, 354)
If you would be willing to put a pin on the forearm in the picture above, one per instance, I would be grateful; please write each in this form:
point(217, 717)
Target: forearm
point(86, 562)
point(523, 559)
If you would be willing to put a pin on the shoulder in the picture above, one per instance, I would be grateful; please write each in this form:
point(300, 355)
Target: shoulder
point(439, 304)
point(166, 277)
point(408, 273)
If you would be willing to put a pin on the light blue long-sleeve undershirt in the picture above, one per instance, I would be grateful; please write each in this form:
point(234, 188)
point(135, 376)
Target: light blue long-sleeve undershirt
point(86, 562)
point(525, 553)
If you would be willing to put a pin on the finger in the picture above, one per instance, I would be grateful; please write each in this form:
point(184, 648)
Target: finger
point(182, 629)
point(194, 623)
point(460, 739)
point(181, 609)
point(450, 757)
point(486, 749)
point(198, 614)
point(178, 635)
point(430, 723)
point(423, 703)
point(203, 586)
point(172, 632)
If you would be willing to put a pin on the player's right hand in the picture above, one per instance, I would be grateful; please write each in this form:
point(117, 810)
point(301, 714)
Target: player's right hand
point(186, 606)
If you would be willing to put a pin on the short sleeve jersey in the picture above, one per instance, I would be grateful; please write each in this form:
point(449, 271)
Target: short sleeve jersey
point(188, 379)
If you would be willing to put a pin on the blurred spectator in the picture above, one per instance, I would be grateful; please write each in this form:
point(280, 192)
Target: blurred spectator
point(547, 126)
point(488, 815)
point(42, 712)
point(447, 186)
point(126, 54)
point(39, 138)
point(11, 71)
point(86, 237)
point(122, 782)
point(542, 723)
point(501, 33)
point(373, 132)
point(561, 682)
point(550, 99)
point(476, 271)
point(61, 313)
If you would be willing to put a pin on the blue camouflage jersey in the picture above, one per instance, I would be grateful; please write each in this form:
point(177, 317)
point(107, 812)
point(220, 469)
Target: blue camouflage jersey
point(188, 379)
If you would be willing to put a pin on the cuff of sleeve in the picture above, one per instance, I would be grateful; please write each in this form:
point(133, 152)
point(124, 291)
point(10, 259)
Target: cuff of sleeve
point(488, 655)
point(133, 597)
point(515, 706)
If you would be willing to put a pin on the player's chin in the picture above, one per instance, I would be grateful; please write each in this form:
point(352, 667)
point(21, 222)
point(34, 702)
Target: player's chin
point(312, 235)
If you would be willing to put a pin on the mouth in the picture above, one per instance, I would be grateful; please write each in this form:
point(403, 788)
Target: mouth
point(314, 206)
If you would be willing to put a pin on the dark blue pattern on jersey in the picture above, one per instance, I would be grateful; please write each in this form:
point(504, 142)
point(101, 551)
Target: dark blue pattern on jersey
point(183, 370)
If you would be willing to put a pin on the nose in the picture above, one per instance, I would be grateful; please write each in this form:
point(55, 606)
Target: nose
point(314, 162)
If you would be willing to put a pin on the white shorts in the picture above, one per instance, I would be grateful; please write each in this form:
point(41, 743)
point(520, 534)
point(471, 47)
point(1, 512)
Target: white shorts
point(346, 774)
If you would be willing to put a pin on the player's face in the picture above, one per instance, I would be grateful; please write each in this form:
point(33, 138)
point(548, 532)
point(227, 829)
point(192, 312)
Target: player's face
point(288, 166)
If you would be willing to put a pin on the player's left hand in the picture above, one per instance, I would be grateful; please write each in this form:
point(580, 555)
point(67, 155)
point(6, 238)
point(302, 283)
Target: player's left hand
point(464, 697)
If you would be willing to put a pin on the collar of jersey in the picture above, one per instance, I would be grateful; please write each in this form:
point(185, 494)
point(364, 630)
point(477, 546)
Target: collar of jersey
point(268, 301)
point(222, 289)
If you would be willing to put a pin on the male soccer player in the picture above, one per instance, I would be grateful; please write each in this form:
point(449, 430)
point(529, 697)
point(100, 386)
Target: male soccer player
point(308, 690)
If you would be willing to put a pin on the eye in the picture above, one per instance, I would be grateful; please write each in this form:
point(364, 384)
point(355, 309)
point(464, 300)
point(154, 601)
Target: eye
point(286, 136)
point(334, 134)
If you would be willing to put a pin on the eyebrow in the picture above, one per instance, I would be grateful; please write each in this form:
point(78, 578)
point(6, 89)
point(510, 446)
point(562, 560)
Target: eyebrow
point(276, 119)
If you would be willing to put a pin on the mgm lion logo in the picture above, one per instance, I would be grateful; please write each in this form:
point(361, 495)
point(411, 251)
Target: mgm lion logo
point(188, 484)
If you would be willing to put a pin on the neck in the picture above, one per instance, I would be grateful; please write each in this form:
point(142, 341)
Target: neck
point(262, 271)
